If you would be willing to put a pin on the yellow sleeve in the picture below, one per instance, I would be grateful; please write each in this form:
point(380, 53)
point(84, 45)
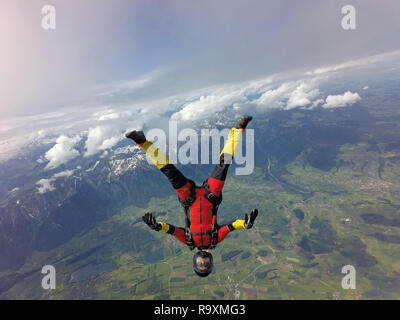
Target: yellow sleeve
point(233, 142)
point(164, 227)
point(159, 159)
point(239, 224)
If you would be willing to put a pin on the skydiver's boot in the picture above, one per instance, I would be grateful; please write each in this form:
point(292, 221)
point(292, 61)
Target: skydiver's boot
point(243, 122)
point(137, 136)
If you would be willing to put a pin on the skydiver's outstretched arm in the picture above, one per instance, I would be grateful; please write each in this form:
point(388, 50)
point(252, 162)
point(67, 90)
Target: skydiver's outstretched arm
point(247, 223)
point(224, 230)
point(177, 232)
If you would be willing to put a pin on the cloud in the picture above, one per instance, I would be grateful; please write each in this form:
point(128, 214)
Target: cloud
point(102, 123)
point(287, 95)
point(204, 106)
point(112, 114)
point(263, 94)
point(316, 103)
point(348, 98)
point(357, 63)
point(345, 65)
point(274, 98)
point(62, 152)
point(101, 138)
point(302, 96)
point(46, 185)
point(65, 173)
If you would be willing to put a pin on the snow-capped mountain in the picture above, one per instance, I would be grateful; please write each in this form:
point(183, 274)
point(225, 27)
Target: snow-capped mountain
point(50, 206)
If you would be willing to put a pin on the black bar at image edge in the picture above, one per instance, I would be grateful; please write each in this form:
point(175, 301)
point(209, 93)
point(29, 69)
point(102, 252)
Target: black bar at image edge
point(188, 309)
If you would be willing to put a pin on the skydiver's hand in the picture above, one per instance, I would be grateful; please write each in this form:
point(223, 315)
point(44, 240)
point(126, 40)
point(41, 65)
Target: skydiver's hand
point(151, 221)
point(250, 221)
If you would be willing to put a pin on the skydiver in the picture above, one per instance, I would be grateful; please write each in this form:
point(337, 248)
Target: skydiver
point(200, 203)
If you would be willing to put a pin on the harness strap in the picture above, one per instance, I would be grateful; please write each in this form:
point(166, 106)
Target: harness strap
point(215, 200)
point(186, 207)
point(188, 235)
point(214, 231)
point(207, 233)
point(192, 196)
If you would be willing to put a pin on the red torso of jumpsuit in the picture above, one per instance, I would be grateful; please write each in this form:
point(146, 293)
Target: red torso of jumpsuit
point(200, 215)
point(201, 219)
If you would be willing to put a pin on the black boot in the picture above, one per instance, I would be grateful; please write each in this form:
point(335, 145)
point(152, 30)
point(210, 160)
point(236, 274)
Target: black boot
point(243, 122)
point(137, 136)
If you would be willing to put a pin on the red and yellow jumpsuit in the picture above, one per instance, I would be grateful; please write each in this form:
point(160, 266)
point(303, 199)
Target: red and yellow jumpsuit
point(200, 213)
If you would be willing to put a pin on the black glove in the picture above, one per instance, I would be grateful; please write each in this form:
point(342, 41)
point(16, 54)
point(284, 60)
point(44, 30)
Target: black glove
point(151, 221)
point(250, 221)
point(137, 136)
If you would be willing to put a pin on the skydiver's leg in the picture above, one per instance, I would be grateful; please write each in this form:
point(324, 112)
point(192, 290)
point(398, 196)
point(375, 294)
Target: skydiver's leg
point(178, 181)
point(217, 179)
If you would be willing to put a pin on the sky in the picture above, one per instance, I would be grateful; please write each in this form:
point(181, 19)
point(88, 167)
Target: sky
point(114, 65)
point(179, 45)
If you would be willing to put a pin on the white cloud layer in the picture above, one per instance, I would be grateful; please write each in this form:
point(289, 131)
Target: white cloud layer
point(102, 124)
point(353, 64)
point(204, 106)
point(274, 98)
point(62, 152)
point(346, 99)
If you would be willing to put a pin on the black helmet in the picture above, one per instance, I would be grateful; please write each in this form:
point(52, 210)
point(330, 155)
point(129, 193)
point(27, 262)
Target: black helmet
point(202, 263)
